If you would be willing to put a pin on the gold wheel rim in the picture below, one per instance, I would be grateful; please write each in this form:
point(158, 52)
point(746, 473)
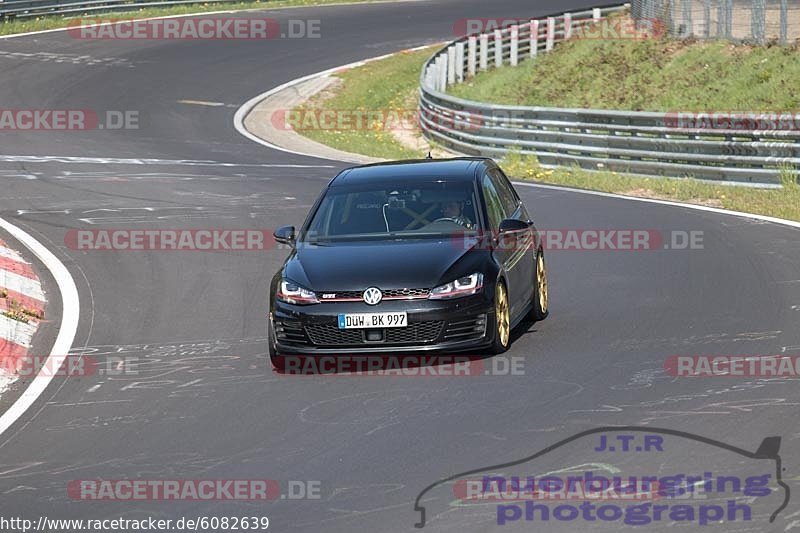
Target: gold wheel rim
point(541, 277)
point(501, 310)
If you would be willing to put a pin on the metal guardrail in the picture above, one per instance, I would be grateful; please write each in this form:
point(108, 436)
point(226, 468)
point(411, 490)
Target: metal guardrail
point(38, 8)
point(645, 143)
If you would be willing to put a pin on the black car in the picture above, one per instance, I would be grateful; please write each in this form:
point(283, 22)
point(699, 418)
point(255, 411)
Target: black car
point(409, 256)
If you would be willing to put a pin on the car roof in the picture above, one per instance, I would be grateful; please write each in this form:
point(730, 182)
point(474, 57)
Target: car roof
point(463, 169)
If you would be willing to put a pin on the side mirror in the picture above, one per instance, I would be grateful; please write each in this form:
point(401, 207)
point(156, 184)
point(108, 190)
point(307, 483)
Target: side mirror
point(512, 225)
point(285, 234)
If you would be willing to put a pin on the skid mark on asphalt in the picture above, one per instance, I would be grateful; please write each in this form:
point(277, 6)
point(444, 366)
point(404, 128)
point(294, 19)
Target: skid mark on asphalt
point(73, 59)
point(183, 369)
point(150, 177)
point(154, 214)
point(142, 161)
point(199, 213)
point(383, 408)
point(711, 338)
point(49, 476)
point(17, 174)
point(655, 410)
point(106, 176)
point(642, 379)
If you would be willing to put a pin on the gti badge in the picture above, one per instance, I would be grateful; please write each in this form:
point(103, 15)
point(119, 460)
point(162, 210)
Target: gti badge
point(372, 296)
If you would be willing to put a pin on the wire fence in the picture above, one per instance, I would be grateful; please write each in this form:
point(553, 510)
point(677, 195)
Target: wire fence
point(758, 21)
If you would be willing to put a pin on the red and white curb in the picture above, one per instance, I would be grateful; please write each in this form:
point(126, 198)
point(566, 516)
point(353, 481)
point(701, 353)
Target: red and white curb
point(22, 303)
point(67, 329)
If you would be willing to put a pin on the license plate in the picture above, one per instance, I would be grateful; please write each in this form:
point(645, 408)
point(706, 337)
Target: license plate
point(372, 320)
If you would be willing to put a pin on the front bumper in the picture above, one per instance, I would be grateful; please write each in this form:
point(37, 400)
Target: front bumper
point(433, 325)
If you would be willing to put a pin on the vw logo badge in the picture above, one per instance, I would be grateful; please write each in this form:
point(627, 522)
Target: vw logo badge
point(372, 296)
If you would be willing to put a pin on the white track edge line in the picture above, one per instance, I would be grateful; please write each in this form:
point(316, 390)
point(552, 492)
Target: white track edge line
point(66, 332)
point(244, 109)
point(716, 210)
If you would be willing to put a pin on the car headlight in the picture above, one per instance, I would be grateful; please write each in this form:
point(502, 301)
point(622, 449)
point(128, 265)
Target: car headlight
point(292, 293)
point(463, 286)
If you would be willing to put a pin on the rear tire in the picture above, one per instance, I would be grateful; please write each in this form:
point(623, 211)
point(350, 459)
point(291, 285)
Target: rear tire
point(540, 308)
point(502, 321)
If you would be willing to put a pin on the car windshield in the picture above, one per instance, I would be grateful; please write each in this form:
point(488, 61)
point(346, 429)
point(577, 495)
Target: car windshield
point(371, 211)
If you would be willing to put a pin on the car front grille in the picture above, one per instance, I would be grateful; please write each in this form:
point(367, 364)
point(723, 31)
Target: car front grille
point(387, 294)
point(459, 330)
point(418, 332)
point(406, 293)
point(415, 333)
point(325, 335)
point(290, 332)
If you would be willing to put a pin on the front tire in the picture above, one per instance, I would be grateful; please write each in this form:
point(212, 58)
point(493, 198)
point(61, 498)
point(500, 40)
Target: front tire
point(540, 295)
point(275, 358)
point(502, 321)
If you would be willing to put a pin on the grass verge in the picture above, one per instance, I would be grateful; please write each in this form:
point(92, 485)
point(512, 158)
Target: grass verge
point(388, 86)
point(647, 75)
point(392, 83)
point(781, 203)
point(50, 22)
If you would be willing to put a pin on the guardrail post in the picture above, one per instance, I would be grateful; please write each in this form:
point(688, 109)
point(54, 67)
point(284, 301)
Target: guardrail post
point(551, 33)
point(597, 14)
point(725, 12)
point(484, 56)
point(498, 48)
point(451, 65)
point(758, 21)
point(784, 21)
point(534, 38)
point(471, 55)
point(514, 46)
point(567, 25)
point(688, 23)
point(460, 62)
point(441, 73)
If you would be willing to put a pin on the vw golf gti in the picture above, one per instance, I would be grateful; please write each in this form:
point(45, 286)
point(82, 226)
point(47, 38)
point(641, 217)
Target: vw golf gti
point(409, 256)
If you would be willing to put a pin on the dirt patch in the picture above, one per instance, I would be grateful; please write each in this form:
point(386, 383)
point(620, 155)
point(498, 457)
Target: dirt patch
point(649, 193)
point(413, 140)
point(333, 86)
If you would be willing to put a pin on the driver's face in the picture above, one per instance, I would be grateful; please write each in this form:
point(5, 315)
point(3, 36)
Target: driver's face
point(451, 209)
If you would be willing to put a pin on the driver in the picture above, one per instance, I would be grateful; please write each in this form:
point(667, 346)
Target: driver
point(455, 212)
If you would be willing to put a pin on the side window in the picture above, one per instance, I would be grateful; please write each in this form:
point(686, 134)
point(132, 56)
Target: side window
point(507, 196)
point(494, 207)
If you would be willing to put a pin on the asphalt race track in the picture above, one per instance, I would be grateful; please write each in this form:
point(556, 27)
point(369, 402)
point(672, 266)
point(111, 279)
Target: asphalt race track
point(205, 404)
